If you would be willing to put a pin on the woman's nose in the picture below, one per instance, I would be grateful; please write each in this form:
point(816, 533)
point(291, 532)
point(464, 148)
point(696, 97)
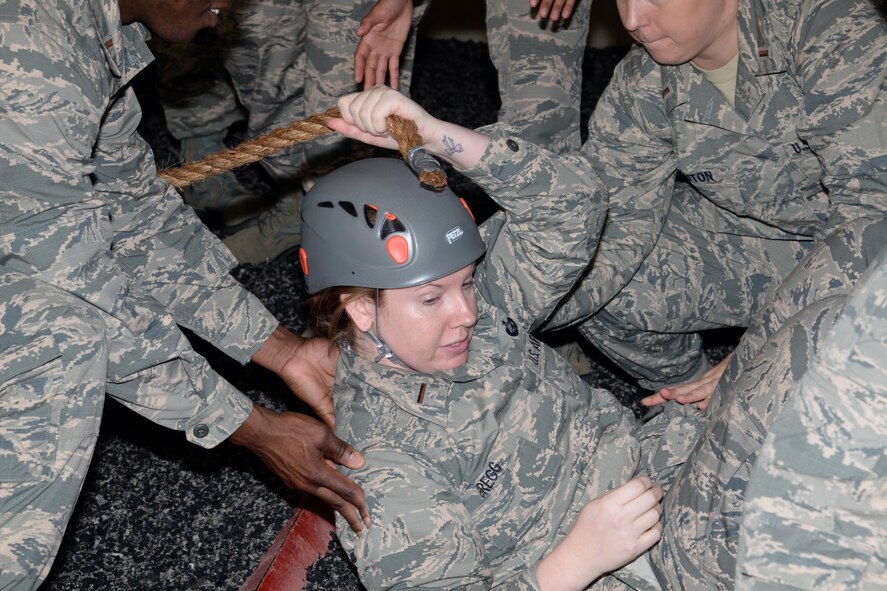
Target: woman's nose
point(465, 312)
point(630, 13)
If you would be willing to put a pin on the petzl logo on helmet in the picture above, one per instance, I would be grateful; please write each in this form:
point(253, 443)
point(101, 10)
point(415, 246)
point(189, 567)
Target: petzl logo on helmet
point(454, 234)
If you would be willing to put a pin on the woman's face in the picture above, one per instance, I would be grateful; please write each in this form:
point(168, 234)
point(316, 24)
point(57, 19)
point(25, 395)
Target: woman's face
point(429, 327)
point(678, 31)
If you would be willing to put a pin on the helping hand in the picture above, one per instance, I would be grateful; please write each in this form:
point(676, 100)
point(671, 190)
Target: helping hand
point(301, 451)
point(698, 391)
point(553, 10)
point(382, 33)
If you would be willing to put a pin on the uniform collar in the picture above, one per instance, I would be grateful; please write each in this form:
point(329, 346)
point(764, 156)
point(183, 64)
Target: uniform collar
point(760, 55)
point(125, 46)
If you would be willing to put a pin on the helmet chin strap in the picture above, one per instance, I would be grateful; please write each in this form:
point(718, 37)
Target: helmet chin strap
point(382, 348)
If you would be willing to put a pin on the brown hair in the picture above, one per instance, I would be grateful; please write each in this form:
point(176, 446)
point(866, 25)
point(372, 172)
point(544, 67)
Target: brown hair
point(328, 317)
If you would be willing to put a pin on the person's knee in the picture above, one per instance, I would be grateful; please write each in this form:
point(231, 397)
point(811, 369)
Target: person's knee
point(53, 366)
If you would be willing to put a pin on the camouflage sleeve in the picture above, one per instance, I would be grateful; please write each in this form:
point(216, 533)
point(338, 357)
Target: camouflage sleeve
point(630, 147)
point(56, 228)
point(840, 55)
point(422, 536)
point(165, 249)
point(815, 510)
point(544, 238)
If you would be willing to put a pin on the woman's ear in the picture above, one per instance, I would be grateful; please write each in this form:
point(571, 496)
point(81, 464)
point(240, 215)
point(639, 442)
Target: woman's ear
point(362, 311)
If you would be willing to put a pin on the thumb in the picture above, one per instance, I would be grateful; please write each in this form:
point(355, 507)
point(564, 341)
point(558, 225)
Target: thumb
point(342, 453)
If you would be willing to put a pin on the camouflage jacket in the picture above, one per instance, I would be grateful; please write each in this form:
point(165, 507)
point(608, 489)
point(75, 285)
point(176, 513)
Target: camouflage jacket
point(475, 479)
point(81, 208)
point(802, 151)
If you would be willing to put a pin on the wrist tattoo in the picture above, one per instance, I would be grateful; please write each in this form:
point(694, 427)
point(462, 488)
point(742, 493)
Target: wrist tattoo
point(450, 146)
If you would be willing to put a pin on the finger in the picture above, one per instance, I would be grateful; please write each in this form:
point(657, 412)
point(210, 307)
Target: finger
point(381, 70)
point(340, 486)
point(644, 502)
point(358, 106)
point(650, 537)
point(684, 389)
point(556, 10)
point(358, 520)
point(696, 395)
point(667, 393)
point(345, 103)
point(341, 452)
point(364, 27)
point(363, 110)
point(702, 405)
point(567, 12)
point(545, 8)
point(355, 133)
point(631, 490)
point(647, 519)
point(381, 101)
point(327, 417)
point(360, 59)
point(653, 400)
point(372, 66)
point(394, 71)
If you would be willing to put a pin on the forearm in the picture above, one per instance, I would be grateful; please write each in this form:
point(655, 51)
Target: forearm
point(165, 249)
point(460, 146)
point(278, 350)
point(557, 572)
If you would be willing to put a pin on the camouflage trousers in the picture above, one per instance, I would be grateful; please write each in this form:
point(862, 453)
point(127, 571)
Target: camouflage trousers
point(706, 271)
point(269, 62)
point(815, 514)
point(59, 356)
point(703, 508)
point(540, 71)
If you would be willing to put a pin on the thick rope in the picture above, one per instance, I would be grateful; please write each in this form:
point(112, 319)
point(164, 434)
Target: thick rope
point(403, 130)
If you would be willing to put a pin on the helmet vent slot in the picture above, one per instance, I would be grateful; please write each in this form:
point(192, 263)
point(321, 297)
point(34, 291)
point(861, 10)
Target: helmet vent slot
point(390, 226)
point(326, 204)
point(369, 214)
point(349, 207)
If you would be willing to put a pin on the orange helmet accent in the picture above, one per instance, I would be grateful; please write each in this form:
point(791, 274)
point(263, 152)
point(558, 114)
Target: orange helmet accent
point(398, 249)
point(303, 260)
point(465, 203)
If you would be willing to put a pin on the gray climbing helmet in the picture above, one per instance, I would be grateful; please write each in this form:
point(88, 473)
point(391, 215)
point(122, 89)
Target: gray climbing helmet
point(372, 224)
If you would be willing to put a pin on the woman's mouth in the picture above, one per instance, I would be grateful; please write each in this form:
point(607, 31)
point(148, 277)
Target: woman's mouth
point(458, 346)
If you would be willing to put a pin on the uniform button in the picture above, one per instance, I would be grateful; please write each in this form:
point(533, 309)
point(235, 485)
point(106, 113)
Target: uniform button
point(512, 145)
point(201, 431)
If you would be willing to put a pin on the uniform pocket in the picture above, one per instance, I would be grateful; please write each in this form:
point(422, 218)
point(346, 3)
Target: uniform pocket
point(30, 375)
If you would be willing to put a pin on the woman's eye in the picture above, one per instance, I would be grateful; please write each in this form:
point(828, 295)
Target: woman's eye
point(468, 284)
point(430, 301)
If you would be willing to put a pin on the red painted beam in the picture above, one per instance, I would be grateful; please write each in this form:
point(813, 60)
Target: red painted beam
point(304, 539)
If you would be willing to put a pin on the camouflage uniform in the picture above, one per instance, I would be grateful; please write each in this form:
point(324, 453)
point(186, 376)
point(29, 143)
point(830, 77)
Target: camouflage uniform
point(277, 60)
point(99, 263)
point(815, 516)
point(802, 152)
point(705, 505)
point(540, 71)
point(475, 474)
